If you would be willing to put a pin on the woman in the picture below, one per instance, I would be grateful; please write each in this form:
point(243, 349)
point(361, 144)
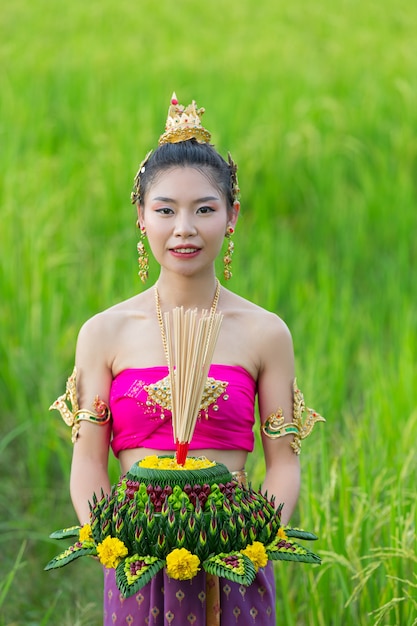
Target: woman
point(187, 203)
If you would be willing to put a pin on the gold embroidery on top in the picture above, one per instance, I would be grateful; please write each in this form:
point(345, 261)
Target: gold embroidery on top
point(159, 394)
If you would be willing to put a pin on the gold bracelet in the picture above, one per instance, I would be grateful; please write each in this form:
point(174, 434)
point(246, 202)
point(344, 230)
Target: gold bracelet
point(67, 405)
point(240, 476)
point(275, 426)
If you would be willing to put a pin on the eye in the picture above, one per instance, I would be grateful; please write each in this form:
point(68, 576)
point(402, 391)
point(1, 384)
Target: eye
point(205, 209)
point(165, 211)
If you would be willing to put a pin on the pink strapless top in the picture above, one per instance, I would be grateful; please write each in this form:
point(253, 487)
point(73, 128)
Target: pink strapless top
point(140, 408)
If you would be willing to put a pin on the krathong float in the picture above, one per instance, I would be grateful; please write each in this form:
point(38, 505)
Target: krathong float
point(179, 512)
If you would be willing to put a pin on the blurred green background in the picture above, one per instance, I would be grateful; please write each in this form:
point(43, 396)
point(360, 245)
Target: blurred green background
point(318, 104)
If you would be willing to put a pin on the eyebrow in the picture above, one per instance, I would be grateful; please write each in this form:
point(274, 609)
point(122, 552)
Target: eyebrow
point(197, 201)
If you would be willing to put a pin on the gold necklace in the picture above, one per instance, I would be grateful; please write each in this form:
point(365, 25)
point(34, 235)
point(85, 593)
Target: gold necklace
point(161, 321)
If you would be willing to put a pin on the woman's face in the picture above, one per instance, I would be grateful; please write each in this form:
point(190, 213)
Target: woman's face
point(186, 219)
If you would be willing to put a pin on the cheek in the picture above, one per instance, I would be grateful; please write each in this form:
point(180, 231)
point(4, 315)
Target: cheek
point(156, 246)
point(218, 236)
point(217, 230)
point(156, 237)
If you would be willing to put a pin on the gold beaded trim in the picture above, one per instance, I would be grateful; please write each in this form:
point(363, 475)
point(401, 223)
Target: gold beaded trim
point(159, 394)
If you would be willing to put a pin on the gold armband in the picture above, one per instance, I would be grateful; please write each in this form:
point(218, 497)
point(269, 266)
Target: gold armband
point(67, 405)
point(275, 426)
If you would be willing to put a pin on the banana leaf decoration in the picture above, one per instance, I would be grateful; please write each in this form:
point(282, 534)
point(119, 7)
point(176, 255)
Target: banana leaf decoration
point(206, 521)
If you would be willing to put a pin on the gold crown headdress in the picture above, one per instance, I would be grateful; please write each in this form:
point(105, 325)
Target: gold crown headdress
point(184, 123)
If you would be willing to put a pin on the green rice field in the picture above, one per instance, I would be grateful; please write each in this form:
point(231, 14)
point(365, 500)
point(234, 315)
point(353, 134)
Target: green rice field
point(317, 101)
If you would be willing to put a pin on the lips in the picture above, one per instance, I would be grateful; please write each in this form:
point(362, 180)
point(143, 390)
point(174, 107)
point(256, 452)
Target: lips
point(185, 250)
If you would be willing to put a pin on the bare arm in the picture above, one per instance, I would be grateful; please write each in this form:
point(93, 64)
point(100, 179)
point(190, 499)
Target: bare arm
point(275, 391)
point(89, 469)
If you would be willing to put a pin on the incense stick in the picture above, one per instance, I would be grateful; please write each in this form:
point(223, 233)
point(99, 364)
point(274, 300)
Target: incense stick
point(190, 345)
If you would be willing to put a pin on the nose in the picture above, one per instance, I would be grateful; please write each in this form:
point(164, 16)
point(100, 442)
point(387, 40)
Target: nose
point(184, 225)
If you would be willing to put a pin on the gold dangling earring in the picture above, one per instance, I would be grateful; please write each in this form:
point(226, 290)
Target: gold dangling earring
point(227, 259)
point(143, 259)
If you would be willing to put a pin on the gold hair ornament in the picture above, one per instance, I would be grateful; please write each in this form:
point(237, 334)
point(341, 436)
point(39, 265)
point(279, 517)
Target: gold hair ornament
point(184, 123)
point(135, 195)
point(233, 177)
point(67, 405)
point(275, 427)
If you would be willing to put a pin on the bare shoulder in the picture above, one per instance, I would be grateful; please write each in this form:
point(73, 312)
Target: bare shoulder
point(102, 329)
point(255, 336)
point(266, 325)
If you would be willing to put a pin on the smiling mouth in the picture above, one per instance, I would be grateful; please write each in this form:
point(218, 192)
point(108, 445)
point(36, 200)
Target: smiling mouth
point(185, 250)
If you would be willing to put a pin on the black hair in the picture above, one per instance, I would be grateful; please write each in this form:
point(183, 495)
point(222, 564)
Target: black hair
point(189, 153)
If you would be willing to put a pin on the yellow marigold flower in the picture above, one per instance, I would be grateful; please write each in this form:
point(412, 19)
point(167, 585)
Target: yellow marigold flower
point(111, 551)
point(257, 554)
point(181, 564)
point(170, 463)
point(85, 533)
point(198, 463)
point(281, 533)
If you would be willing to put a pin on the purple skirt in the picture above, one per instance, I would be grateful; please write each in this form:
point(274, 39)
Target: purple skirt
point(203, 601)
